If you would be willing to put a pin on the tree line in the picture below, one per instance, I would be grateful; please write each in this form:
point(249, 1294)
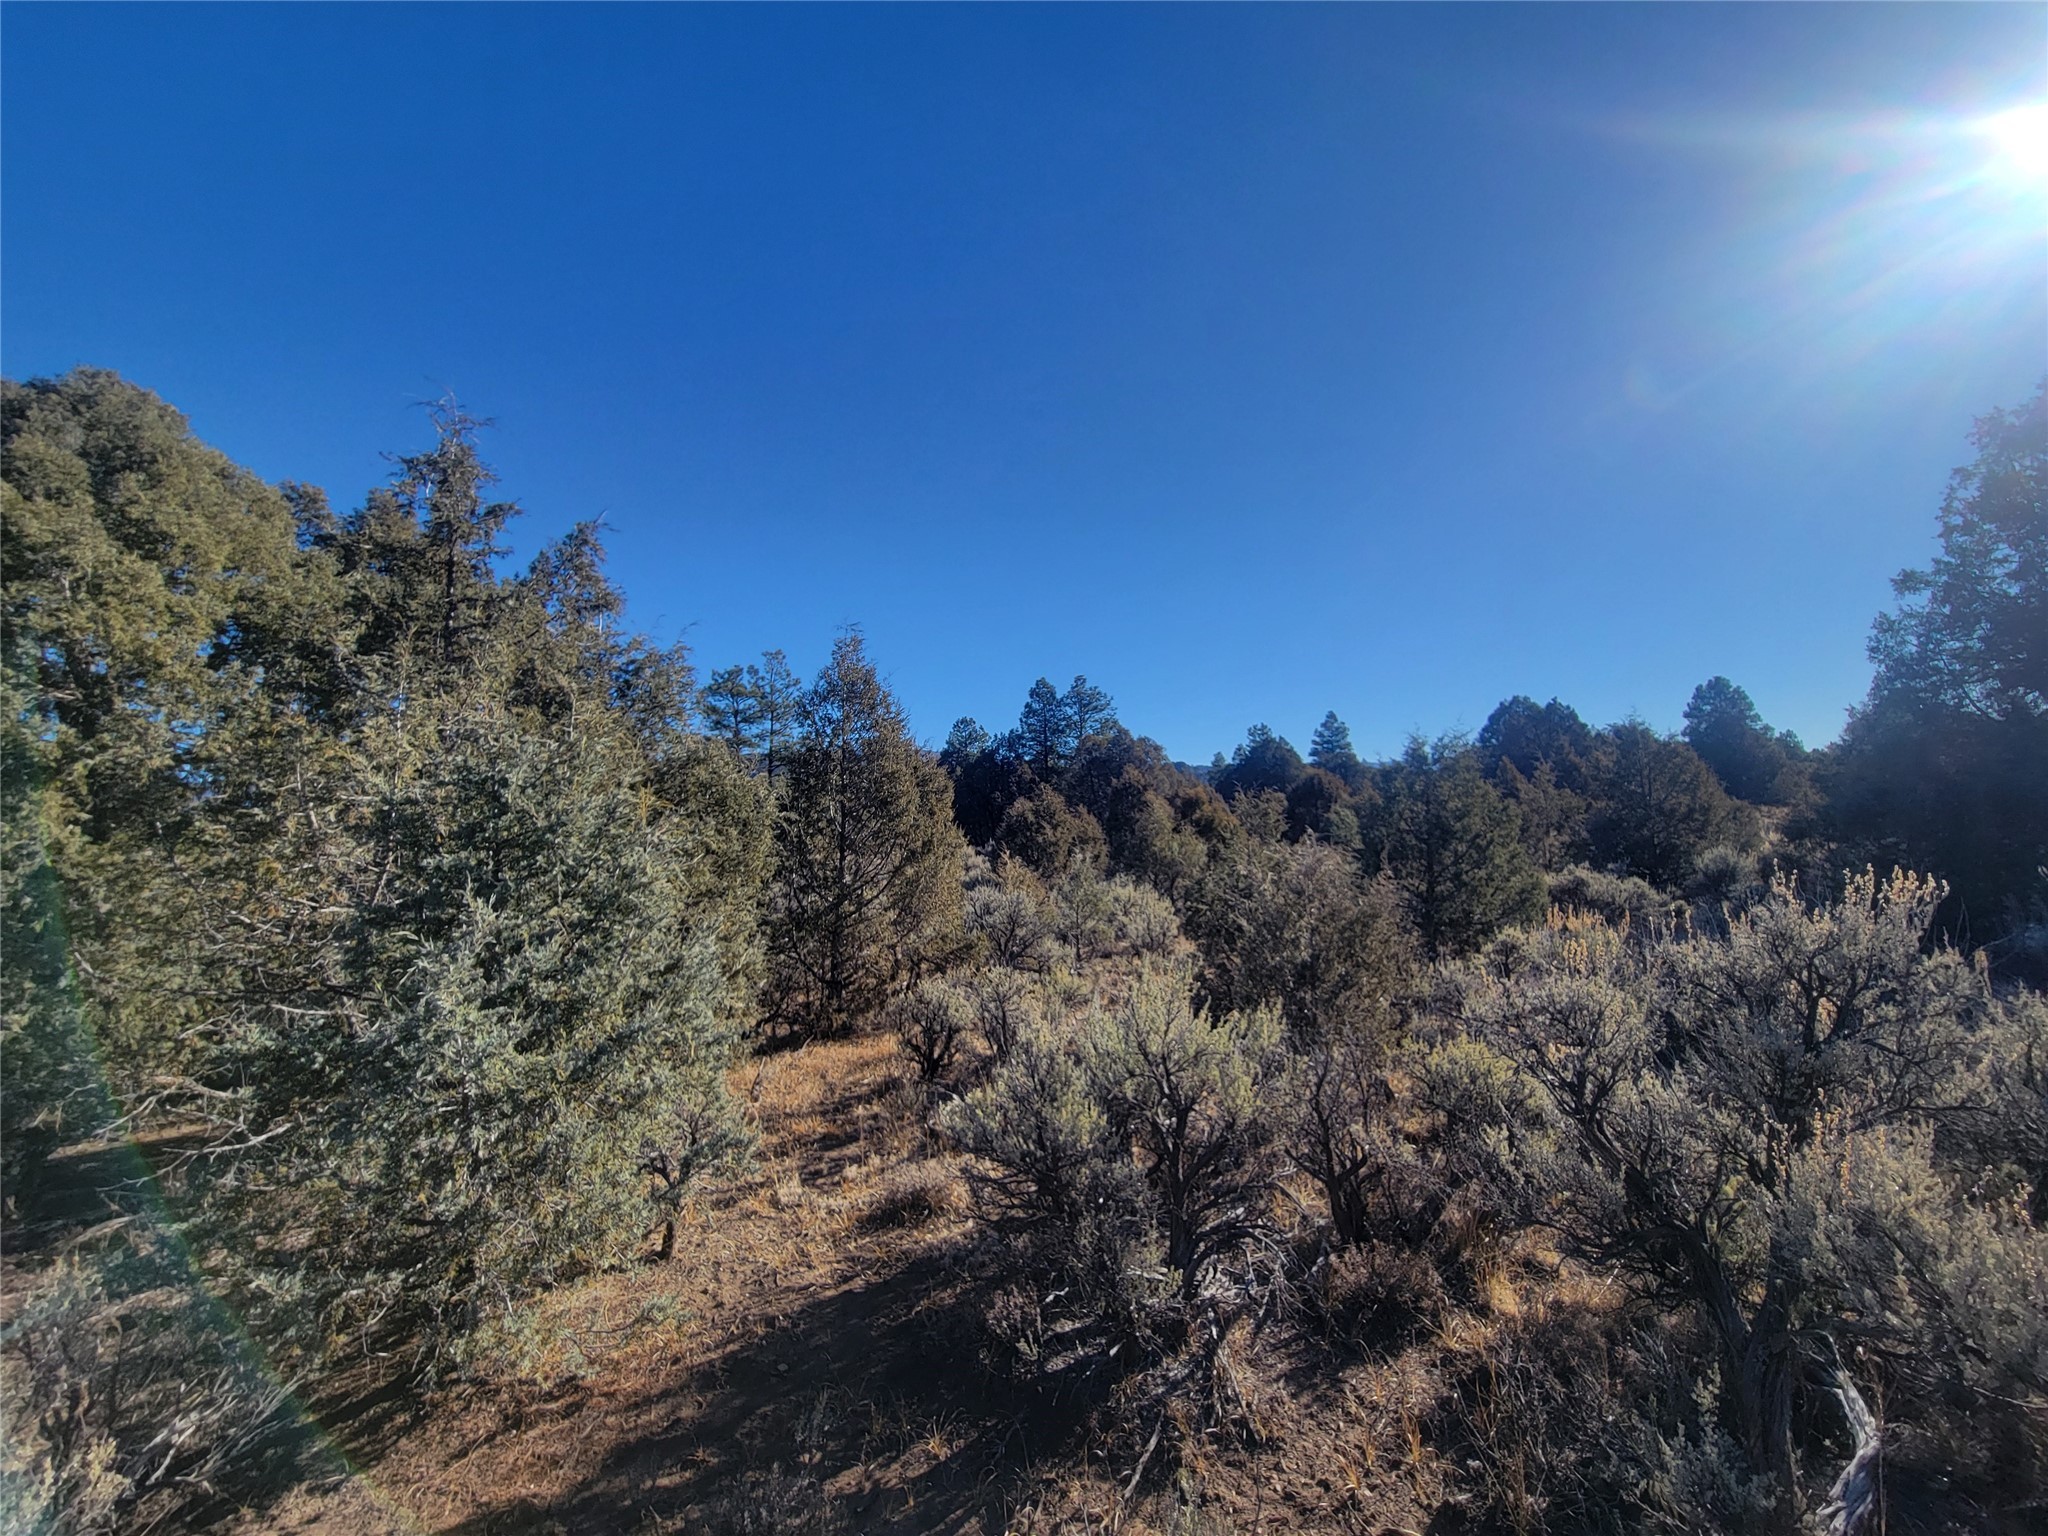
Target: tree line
point(414, 911)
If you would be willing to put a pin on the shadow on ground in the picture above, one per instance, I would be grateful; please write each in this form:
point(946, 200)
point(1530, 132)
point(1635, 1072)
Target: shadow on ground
point(866, 1409)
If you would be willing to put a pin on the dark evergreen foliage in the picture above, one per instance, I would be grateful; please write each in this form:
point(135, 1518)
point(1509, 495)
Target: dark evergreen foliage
point(1941, 767)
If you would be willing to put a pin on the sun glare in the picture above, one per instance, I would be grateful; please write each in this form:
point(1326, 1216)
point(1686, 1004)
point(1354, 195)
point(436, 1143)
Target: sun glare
point(2022, 139)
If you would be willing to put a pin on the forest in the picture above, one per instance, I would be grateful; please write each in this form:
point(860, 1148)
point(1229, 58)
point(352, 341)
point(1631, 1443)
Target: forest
point(435, 1013)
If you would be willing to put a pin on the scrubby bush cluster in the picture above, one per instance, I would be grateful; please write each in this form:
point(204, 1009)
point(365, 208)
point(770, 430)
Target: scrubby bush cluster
point(1793, 1142)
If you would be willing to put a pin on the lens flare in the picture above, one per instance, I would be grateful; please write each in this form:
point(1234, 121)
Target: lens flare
point(2022, 139)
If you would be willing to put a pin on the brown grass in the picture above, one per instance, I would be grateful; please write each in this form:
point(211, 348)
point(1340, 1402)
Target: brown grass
point(810, 1361)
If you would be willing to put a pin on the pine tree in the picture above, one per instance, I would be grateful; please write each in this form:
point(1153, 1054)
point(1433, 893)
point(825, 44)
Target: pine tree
point(1941, 767)
point(1723, 726)
point(778, 695)
point(1085, 709)
point(1330, 747)
point(1044, 729)
point(730, 709)
point(964, 743)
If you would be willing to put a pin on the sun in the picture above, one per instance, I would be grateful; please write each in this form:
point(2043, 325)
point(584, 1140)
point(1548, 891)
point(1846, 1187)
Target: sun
point(2021, 136)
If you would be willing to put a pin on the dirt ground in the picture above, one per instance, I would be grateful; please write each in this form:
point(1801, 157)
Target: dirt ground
point(813, 1359)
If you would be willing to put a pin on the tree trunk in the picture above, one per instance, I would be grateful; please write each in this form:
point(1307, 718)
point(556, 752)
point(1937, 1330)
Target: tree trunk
point(1857, 1499)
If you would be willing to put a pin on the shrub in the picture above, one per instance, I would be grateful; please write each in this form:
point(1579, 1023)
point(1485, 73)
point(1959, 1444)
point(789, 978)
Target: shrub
point(1622, 900)
point(130, 1403)
point(932, 1019)
point(1005, 1009)
point(1187, 1092)
point(1746, 1131)
point(1722, 877)
point(1008, 917)
point(1131, 1157)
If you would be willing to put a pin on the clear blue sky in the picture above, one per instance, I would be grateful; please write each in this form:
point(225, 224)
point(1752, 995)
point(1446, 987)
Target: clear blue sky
point(1252, 361)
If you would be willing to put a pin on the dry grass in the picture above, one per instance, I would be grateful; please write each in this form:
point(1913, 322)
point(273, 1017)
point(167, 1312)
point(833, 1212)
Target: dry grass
point(808, 1362)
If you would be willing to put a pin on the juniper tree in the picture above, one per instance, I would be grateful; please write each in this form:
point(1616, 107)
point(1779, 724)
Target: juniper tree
point(1295, 929)
point(1659, 808)
point(144, 575)
point(400, 876)
point(1452, 846)
point(867, 888)
point(524, 1015)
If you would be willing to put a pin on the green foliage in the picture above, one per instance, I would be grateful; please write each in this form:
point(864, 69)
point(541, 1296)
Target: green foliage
point(1529, 736)
point(1053, 1178)
point(1941, 767)
point(522, 1002)
point(1293, 928)
point(1141, 1140)
point(1452, 846)
point(1972, 637)
point(1264, 763)
point(868, 864)
point(754, 711)
point(1320, 806)
point(1009, 916)
point(1050, 836)
point(964, 743)
point(407, 891)
point(1553, 818)
point(1187, 1092)
point(141, 572)
point(1723, 726)
point(395, 882)
point(1659, 808)
point(1330, 749)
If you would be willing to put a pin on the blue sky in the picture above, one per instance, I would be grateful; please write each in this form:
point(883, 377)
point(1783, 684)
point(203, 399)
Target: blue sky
point(1254, 362)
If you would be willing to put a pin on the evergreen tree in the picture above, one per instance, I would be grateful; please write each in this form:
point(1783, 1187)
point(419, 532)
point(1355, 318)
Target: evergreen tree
point(754, 711)
point(731, 710)
point(1660, 807)
point(402, 877)
point(1264, 762)
point(144, 578)
point(1330, 748)
point(519, 1010)
point(1320, 806)
point(1723, 726)
point(778, 695)
point(1941, 767)
point(868, 863)
point(1453, 848)
point(1528, 734)
point(1086, 709)
point(964, 743)
point(1043, 729)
